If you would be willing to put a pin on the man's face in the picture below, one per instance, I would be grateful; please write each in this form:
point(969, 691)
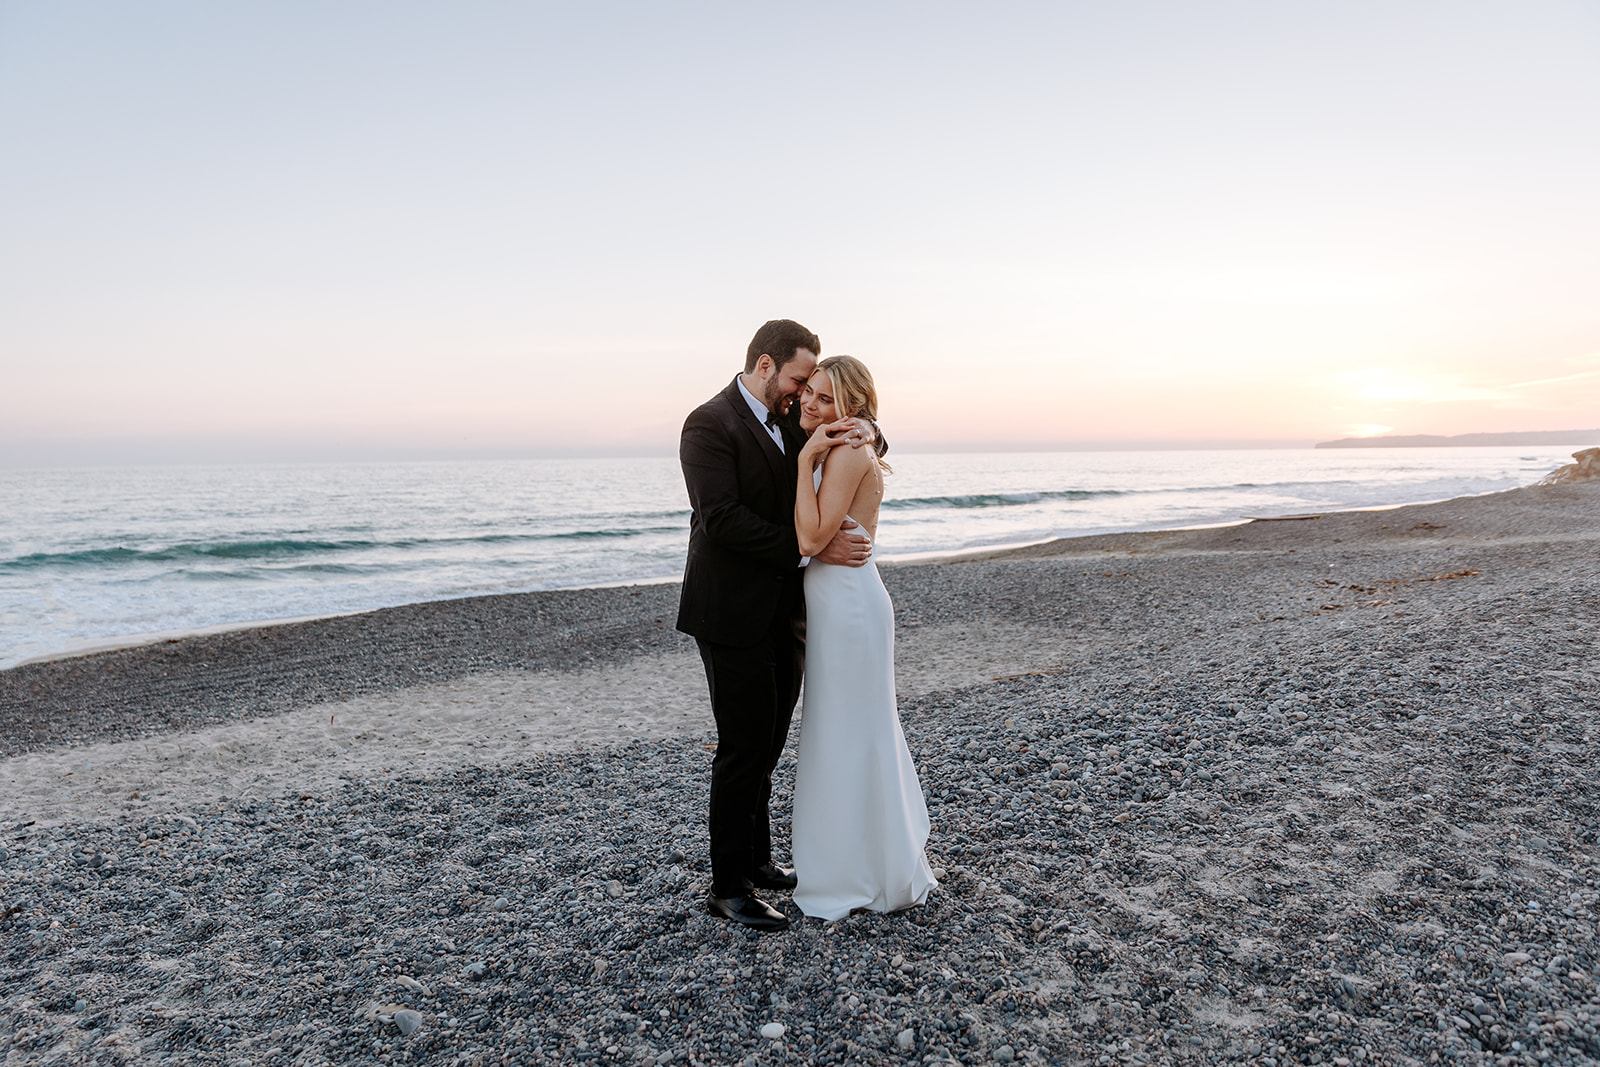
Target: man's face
point(787, 382)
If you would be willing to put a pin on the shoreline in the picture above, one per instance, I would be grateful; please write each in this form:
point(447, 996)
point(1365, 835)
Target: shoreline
point(92, 646)
point(1051, 545)
point(211, 679)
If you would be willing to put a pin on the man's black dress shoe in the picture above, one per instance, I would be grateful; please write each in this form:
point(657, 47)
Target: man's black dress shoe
point(748, 911)
point(771, 876)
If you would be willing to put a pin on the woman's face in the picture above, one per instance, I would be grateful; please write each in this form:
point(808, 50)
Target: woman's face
point(817, 405)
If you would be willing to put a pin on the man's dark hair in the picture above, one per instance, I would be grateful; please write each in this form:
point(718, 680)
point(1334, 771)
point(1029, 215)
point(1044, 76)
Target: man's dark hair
point(780, 339)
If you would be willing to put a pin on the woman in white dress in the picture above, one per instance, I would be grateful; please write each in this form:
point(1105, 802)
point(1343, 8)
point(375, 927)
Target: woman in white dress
point(860, 822)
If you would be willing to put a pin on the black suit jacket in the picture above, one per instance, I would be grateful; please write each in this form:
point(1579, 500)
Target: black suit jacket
point(743, 569)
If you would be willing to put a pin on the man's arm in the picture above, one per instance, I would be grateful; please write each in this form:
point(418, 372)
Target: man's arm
point(710, 472)
point(863, 432)
point(849, 547)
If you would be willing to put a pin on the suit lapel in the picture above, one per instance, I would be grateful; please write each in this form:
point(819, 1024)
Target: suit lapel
point(794, 438)
point(779, 463)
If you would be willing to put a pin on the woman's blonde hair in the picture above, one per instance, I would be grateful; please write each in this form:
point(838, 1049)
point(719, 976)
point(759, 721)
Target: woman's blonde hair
point(854, 394)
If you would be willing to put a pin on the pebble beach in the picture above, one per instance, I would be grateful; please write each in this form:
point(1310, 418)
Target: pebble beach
point(1307, 790)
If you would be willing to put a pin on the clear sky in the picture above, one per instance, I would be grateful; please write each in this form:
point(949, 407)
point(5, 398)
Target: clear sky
point(334, 228)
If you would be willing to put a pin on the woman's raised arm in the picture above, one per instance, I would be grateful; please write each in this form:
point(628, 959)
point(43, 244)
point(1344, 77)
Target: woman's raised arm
point(818, 512)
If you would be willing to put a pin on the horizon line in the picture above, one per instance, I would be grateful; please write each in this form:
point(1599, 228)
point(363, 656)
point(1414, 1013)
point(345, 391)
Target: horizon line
point(175, 454)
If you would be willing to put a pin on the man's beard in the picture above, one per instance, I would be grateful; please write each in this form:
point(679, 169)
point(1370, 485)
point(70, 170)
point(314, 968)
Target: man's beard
point(774, 398)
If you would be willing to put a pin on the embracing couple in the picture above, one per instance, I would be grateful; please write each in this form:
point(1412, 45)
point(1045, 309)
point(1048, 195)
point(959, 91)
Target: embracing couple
point(780, 585)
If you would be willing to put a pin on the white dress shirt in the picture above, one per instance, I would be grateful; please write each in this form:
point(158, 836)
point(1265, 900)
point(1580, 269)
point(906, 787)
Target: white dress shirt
point(773, 431)
point(761, 411)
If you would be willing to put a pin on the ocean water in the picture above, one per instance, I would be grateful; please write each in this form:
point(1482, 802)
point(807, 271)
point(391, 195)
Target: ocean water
point(93, 554)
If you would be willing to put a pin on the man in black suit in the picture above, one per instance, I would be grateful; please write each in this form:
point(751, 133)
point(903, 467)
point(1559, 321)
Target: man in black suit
point(743, 600)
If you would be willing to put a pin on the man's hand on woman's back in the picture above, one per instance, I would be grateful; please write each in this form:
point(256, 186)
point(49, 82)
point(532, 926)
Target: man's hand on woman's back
point(849, 547)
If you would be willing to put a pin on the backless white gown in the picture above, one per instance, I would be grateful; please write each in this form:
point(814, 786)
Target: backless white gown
point(860, 822)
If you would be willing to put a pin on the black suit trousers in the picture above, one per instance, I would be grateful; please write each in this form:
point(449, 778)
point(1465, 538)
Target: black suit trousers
point(753, 693)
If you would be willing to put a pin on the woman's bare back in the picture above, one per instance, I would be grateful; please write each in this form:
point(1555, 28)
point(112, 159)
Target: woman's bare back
point(864, 506)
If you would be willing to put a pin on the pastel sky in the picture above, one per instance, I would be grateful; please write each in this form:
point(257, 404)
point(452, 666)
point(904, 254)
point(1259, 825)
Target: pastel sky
point(286, 229)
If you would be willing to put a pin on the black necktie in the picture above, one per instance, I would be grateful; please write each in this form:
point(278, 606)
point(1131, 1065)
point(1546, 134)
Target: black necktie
point(772, 419)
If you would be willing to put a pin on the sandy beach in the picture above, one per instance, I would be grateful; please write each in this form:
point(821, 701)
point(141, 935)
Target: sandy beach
point(1314, 789)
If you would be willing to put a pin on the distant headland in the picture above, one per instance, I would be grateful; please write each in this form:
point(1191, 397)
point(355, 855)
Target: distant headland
point(1469, 440)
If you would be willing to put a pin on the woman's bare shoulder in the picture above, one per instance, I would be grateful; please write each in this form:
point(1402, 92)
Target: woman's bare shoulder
point(853, 463)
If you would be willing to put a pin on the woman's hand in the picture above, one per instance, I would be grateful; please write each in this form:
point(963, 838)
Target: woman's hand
point(828, 436)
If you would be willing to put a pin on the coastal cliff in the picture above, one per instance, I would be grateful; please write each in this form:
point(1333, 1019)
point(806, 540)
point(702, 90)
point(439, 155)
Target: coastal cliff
point(1469, 440)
